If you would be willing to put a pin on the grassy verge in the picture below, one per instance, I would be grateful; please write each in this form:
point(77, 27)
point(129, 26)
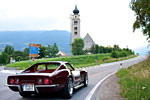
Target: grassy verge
point(77, 61)
point(135, 81)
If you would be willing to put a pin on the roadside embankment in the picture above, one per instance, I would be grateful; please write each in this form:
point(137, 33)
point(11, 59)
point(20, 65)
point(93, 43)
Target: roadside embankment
point(135, 81)
point(77, 61)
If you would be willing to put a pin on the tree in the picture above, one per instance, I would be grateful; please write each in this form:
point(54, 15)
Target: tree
point(101, 49)
point(42, 52)
point(96, 49)
point(26, 54)
point(115, 54)
point(9, 49)
point(116, 48)
point(19, 58)
point(4, 58)
point(77, 46)
point(55, 50)
point(16, 54)
point(49, 51)
point(92, 49)
point(142, 13)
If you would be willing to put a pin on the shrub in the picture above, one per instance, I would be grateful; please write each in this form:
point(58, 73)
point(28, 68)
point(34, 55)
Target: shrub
point(115, 54)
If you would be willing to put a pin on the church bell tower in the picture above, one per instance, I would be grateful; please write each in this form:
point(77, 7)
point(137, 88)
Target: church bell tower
point(75, 25)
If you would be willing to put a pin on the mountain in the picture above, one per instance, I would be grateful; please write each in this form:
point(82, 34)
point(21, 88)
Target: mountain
point(21, 39)
point(142, 50)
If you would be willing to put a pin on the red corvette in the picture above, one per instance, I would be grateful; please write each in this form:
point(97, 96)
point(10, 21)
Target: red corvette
point(48, 77)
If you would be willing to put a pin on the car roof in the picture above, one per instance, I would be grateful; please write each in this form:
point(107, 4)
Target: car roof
point(47, 62)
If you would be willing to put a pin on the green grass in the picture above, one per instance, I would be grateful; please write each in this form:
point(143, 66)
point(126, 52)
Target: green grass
point(135, 81)
point(77, 61)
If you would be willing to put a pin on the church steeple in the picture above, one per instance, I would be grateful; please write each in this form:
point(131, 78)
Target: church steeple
point(75, 25)
point(76, 11)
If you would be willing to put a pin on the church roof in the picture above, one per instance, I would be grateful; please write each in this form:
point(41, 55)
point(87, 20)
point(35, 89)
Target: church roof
point(88, 36)
point(88, 42)
point(76, 11)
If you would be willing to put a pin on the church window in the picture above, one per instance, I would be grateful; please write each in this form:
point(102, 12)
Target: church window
point(75, 28)
point(75, 33)
point(75, 22)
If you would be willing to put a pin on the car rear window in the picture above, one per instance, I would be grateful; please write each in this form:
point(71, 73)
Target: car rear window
point(53, 66)
point(41, 67)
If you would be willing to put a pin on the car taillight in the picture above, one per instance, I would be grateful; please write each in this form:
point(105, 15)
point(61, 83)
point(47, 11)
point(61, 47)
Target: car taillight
point(17, 81)
point(40, 81)
point(46, 81)
point(12, 81)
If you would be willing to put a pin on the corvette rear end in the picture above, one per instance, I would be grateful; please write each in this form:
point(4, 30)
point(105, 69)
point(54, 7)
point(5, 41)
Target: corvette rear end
point(32, 83)
point(48, 77)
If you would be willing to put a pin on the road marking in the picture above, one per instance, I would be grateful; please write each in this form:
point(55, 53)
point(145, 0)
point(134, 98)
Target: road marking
point(11, 71)
point(89, 96)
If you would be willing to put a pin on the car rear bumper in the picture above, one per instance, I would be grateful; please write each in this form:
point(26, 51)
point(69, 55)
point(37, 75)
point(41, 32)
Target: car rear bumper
point(38, 88)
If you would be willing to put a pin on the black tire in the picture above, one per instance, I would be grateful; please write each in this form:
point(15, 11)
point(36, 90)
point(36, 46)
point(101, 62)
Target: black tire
point(25, 95)
point(85, 80)
point(68, 90)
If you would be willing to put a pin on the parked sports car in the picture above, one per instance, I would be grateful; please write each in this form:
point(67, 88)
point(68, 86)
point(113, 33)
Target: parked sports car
point(48, 77)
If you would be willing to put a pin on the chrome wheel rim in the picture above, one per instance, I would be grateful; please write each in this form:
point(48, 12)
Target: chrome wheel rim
point(70, 87)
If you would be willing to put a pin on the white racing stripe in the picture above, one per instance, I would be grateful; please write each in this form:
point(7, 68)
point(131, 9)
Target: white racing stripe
point(89, 96)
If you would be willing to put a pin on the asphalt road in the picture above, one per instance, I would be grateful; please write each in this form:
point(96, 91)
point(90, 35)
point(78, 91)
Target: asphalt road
point(96, 74)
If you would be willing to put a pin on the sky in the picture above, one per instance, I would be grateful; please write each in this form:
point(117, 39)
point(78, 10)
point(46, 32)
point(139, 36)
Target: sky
point(108, 22)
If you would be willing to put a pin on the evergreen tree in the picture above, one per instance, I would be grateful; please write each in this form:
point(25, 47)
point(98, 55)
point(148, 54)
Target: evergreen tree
point(26, 54)
point(42, 52)
point(55, 50)
point(96, 49)
point(49, 51)
point(9, 49)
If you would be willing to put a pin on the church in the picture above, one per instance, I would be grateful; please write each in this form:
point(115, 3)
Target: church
point(75, 30)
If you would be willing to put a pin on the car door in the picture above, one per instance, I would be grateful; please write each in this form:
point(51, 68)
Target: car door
point(76, 74)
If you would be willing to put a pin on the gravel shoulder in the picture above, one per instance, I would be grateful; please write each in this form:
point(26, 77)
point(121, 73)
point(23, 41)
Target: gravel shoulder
point(109, 89)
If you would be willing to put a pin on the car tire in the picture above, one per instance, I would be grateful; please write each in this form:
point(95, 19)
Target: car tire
point(85, 82)
point(25, 95)
point(68, 90)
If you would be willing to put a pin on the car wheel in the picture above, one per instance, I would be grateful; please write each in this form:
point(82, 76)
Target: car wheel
point(85, 80)
point(25, 95)
point(68, 90)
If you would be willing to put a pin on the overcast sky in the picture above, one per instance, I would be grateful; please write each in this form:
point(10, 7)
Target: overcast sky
point(108, 22)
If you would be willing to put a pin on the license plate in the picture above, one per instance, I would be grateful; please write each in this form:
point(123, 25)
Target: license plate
point(28, 87)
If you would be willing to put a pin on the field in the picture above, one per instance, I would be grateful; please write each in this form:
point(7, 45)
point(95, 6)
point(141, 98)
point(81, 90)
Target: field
point(77, 61)
point(135, 81)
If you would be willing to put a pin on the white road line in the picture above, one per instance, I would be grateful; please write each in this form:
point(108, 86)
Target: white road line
point(89, 96)
point(11, 71)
